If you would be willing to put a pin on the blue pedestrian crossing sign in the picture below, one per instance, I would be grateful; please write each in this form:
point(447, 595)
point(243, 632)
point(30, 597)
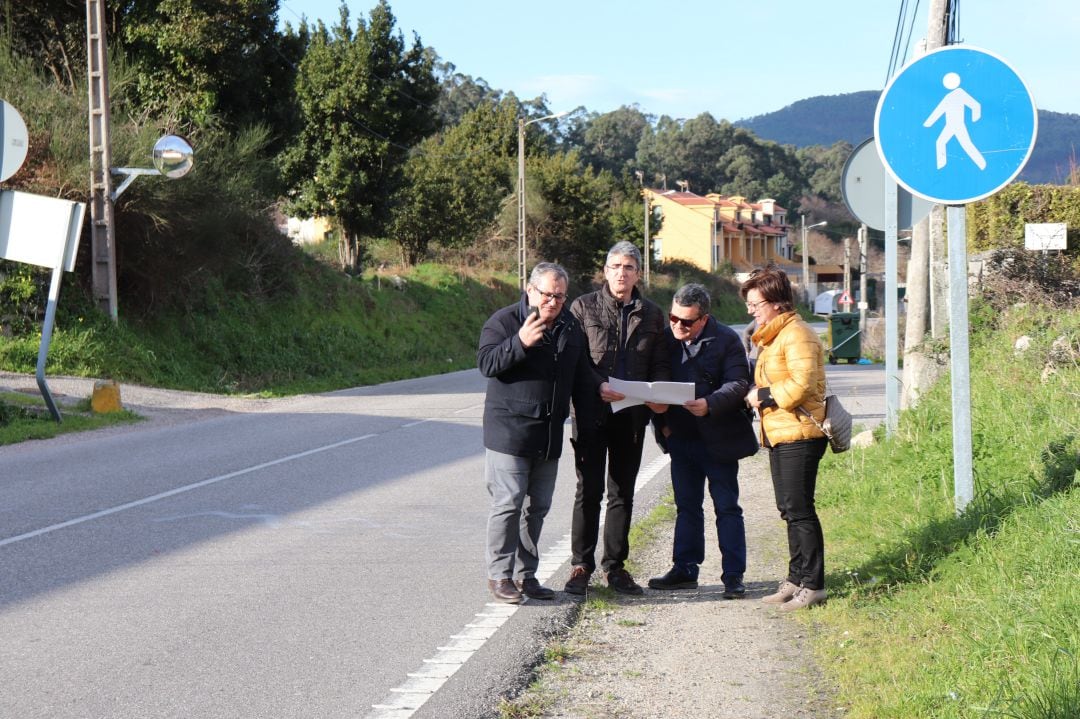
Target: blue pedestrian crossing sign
point(955, 125)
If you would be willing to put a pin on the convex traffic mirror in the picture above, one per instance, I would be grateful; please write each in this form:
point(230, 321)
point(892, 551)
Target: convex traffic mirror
point(173, 156)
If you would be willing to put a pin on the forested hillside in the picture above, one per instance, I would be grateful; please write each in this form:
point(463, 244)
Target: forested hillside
point(350, 120)
point(827, 119)
point(408, 159)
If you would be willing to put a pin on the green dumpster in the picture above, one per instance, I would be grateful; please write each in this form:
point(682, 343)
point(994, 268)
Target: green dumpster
point(844, 337)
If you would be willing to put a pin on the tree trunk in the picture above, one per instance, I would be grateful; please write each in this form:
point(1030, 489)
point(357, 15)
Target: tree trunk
point(348, 251)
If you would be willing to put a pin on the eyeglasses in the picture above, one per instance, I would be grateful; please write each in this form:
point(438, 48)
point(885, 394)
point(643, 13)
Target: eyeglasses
point(550, 296)
point(684, 323)
point(752, 306)
point(625, 268)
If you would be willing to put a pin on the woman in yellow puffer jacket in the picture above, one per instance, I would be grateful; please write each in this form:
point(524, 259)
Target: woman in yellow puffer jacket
point(789, 383)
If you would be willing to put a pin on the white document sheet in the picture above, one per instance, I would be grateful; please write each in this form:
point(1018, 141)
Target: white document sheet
point(656, 392)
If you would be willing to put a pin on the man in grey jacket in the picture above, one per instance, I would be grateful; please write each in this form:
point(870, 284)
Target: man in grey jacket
point(625, 335)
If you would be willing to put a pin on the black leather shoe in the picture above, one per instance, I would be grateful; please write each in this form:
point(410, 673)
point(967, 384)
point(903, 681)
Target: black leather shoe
point(504, 591)
point(532, 589)
point(674, 579)
point(579, 580)
point(621, 581)
point(735, 590)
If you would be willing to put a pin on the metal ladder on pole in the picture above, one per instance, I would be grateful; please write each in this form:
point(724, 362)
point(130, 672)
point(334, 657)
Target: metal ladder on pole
point(102, 232)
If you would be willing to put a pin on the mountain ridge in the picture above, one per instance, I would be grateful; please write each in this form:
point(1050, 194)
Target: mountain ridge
point(849, 117)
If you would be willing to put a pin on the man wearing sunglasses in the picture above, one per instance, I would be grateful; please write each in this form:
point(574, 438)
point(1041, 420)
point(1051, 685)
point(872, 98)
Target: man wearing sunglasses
point(706, 437)
point(625, 334)
point(536, 360)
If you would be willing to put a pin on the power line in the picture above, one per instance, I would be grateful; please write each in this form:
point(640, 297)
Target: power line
point(911, 33)
point(900, 46)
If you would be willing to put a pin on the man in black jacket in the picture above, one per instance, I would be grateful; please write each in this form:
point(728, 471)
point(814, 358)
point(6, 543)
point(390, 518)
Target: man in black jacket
point(625, 334)
point(706, 438)
point(535, 357)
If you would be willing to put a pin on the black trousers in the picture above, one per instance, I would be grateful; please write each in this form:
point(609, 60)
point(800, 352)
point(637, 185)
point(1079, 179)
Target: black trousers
point(617, 447)
point(794, 466)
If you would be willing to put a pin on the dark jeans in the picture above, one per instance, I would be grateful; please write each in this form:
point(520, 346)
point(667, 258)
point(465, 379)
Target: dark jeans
point(618, 446)
point(691, 466)
point(794, 468)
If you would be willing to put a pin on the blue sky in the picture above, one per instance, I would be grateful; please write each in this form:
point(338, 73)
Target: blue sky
point(734, 60)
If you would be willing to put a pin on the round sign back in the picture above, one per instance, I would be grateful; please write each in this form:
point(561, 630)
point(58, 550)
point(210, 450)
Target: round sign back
point(14, 143)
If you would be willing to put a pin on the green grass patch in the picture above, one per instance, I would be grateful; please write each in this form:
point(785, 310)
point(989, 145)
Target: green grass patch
point(630, 622)
point(328, 332)
point(937, 615)
point(557, 653)
point(24, 417)
point(653, 527)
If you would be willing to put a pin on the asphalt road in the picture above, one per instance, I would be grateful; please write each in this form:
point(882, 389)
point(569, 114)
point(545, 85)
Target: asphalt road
point(293, 563)
point(320, 557)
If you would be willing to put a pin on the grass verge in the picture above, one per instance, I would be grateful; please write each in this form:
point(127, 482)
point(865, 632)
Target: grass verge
point(24, 417)
point(932, 614)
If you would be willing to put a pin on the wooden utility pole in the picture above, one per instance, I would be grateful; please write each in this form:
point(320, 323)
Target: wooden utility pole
point(102, 231)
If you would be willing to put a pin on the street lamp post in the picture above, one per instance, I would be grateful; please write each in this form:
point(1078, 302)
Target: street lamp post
point(806, 259)
point(522, 124)
point(645, 198)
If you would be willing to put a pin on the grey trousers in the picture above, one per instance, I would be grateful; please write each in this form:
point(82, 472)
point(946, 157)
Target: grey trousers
point(521, 491)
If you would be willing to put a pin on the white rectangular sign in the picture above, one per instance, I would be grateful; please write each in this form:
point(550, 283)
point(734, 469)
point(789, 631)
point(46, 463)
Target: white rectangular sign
point(40, 230)
point(1044, 236)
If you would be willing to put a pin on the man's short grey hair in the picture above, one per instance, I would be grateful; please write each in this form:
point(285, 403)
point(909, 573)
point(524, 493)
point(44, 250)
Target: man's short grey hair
point(624, 249)
point(540, 269)
point(694, 294)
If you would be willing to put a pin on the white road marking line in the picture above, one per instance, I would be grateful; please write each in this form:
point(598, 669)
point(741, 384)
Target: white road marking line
point(406, 698)
point(176, 491)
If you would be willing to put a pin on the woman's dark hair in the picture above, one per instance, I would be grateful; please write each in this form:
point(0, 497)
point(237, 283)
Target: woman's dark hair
point(774, 286)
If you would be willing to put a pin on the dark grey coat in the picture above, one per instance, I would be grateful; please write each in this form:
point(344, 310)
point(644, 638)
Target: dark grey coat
point(530, 389)
point(646, 353)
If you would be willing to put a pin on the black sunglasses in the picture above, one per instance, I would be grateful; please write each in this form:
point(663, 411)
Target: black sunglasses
point(686, 324)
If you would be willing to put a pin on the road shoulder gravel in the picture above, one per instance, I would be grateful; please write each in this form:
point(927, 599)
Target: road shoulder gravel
point(691, 653)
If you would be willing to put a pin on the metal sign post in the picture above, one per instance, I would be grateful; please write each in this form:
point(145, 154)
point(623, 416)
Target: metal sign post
point(963, 484)
point(42, 231)
point(892, 310)
point(955, 126)
point(872, 196)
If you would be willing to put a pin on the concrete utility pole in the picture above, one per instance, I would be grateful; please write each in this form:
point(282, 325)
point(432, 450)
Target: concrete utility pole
point(102, 227)
point(927, 276)
point(937, 35)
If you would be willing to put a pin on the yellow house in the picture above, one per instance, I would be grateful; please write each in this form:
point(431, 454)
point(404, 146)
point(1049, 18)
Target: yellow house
point(713, 230)
point(308, 230)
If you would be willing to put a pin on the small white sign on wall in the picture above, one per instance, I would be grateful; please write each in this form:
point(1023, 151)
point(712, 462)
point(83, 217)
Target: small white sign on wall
point(1045, 236)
